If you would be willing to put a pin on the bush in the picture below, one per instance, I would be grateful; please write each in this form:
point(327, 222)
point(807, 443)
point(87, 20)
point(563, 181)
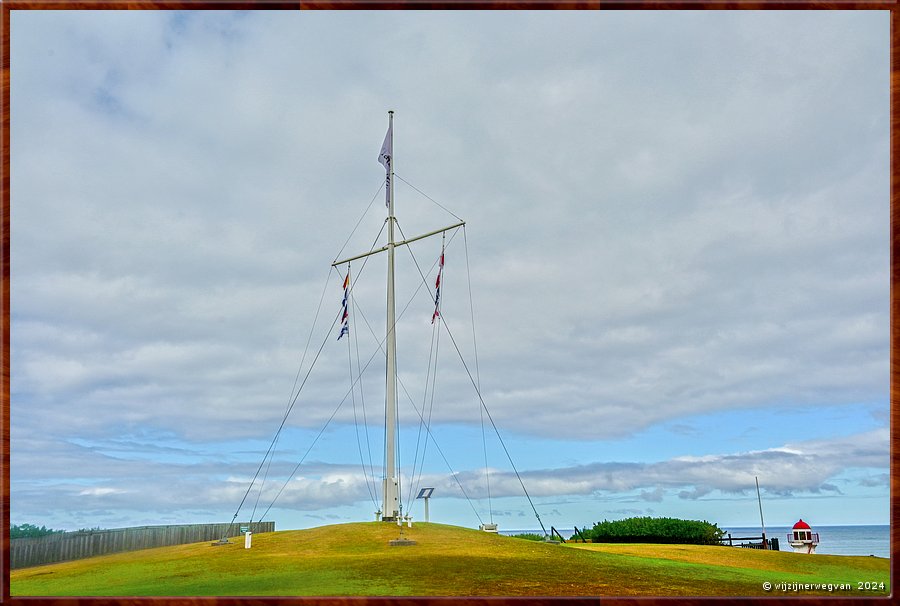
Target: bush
point(656, 530)
point(529, 536)
point(94, 529)
point(30, 531)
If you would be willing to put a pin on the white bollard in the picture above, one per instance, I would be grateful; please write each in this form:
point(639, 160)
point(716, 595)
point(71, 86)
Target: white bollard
point(247, 539)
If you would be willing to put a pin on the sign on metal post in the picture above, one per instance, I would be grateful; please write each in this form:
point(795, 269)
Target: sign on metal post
point(425, 493)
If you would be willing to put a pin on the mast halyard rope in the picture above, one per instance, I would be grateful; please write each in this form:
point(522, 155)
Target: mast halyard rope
point(374, 489)
point(362, 459)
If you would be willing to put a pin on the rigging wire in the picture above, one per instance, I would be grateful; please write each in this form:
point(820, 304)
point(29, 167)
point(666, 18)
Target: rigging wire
point(372, 357)
point(436, 338)
point(496, 429)
point(437, 445)
point(399, 465)
point(432, 353)
point(424, 401)
point(421, 417)
point(310, 370)
point(481, 399)
point(362, 397)
point(308, 450)
point(296, 378)
point(352, 392)
point(362, 459)
point(363, 216)
point(283, 421)
point(427, 196)
point(487, 475)
point(328, 334)
point(352, 386)
point(287, 413)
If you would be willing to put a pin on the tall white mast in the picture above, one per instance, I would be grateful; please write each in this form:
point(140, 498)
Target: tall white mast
point(761, 521)
point(390, 506)
point(390, 491)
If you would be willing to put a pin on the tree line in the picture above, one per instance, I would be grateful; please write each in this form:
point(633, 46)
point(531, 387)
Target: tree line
point(31, 531)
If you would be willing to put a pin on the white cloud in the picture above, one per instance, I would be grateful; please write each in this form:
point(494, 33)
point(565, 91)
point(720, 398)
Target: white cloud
point(100, 492)
point(656, 231)
point(790, 471)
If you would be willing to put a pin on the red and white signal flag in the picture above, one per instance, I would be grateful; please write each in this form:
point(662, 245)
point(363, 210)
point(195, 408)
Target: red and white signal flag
point(437, 289)
point(345, 318)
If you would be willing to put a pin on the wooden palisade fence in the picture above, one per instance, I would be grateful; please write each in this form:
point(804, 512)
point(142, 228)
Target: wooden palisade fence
point(66, 546)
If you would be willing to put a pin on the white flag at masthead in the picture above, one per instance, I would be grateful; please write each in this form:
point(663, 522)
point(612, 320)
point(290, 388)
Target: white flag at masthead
point(387, 151)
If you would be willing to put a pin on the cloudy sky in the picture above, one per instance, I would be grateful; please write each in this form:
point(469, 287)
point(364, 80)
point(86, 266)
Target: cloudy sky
point(677, 244)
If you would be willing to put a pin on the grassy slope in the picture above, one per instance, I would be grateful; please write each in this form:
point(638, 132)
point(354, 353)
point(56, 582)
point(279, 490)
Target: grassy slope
point(355, 559)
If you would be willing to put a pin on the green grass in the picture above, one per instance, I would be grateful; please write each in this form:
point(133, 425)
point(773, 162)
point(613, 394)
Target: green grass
point(355, 559)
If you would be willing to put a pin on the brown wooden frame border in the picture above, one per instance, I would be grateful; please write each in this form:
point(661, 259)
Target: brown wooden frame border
point(6, 6)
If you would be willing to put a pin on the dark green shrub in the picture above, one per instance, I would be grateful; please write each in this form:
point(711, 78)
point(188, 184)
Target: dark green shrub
point(30, 531)
point(656, 530)
point(529, 536)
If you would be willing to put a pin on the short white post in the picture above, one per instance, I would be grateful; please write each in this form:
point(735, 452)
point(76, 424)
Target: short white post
point(247, 539)
point(409, 521)
point(426, 509)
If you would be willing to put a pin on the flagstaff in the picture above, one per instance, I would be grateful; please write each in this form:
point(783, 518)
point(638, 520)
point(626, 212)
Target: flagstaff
point(390, 492)
point(390, 505)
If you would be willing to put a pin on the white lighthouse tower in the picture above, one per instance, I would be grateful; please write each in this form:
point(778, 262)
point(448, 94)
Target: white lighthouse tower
point(802, 538)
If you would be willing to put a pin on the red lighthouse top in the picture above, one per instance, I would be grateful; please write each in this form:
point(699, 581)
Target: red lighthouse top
point(801, 525)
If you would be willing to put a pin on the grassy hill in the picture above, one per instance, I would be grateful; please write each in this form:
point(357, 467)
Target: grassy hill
point(356, 559)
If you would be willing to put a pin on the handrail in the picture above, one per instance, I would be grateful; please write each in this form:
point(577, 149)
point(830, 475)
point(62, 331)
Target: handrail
point(580, 534)
point(554, 531)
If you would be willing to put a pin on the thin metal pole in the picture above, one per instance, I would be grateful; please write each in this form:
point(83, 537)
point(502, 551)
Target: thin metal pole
point(761, 522)
point(391, 505)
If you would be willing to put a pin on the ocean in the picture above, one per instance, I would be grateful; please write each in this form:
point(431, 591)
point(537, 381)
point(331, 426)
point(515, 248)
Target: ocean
point(833, 540)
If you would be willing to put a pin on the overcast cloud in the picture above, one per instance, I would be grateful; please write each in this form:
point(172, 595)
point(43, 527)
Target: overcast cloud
point(674, 220)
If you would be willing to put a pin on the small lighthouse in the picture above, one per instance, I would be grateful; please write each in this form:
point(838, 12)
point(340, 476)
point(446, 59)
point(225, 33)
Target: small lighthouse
point(802, 538)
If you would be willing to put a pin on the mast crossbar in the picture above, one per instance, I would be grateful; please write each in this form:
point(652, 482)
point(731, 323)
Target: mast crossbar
point(400, 243)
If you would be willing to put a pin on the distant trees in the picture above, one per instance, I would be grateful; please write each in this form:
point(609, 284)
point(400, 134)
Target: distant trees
point(656, 530)
point(30, 531)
